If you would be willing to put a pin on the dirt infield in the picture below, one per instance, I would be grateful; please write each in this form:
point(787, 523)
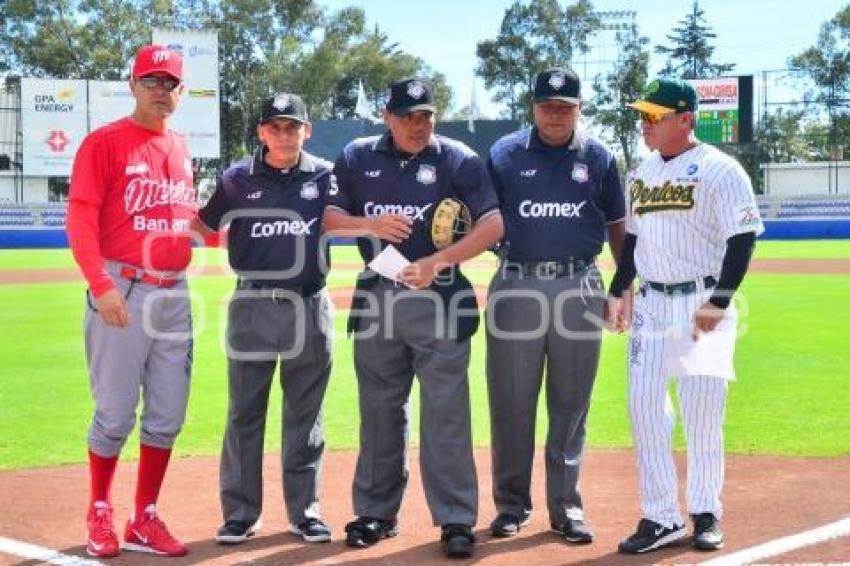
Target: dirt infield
point(766, 498)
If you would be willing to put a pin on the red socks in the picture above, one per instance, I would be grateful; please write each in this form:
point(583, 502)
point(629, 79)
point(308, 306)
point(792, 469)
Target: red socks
point(101, 472)
point(152, 465)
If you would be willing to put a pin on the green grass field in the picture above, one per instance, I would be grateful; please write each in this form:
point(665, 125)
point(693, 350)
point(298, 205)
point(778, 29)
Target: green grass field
point(791, 396)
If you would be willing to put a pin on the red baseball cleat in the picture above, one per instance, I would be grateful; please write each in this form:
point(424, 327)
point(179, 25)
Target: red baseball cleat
point(103, 540)
point(149, 534)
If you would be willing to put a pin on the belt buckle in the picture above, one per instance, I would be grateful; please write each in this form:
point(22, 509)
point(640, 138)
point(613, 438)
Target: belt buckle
point(682, 289)
point(546, 269)
point(155, 280)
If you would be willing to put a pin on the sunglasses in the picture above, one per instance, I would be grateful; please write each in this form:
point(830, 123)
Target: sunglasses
point(653, 119)
point(165, 83)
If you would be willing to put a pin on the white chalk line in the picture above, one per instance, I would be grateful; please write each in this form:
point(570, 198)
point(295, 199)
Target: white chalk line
point(35, 552)
point(782, 545)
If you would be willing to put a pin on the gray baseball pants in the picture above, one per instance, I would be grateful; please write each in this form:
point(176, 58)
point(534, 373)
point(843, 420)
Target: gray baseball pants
point(151, 358)
point(297, 332)
point(534, 324)
point(405, 342)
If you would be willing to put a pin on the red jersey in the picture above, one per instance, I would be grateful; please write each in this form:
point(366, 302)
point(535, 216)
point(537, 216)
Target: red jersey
point(131, 200)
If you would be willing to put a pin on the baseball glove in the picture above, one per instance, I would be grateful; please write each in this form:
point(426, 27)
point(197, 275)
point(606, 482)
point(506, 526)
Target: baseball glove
point(450, 222)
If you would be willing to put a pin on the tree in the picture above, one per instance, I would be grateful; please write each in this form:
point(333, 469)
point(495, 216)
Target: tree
point(86, 39)
point(625, 83)
point(690, 55)
point(264, 45)
point(827, 64)
point(372, 58)
point(251, 34)
point(532, 37)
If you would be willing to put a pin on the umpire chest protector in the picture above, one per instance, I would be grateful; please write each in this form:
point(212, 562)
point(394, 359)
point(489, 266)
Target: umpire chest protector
point(555, 201)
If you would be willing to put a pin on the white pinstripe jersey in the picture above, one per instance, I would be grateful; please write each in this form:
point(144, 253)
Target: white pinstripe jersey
point(683, 211)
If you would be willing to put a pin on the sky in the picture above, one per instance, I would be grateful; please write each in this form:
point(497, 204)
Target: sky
point(757, 35)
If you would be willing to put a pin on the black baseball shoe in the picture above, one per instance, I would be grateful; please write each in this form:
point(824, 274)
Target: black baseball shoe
point(650, 536)
point(312, 530)
point(508, 524)
point(366, 531)
point(575, 531)
point(458, 540)
point(237, 532)
point(707, 533)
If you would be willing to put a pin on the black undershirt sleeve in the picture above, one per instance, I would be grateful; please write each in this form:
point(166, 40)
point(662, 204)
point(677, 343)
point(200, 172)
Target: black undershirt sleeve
point(625, 267)
point(736, 260)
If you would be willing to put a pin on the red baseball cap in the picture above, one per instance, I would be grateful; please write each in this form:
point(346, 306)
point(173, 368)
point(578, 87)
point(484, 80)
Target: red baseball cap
point(158, 58)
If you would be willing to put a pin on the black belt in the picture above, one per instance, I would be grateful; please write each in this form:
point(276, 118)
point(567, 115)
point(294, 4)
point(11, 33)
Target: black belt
point(546, 269)
point(279, 293)
point(683, 288)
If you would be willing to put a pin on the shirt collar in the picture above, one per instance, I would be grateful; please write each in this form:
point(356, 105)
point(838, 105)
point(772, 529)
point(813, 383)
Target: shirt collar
point(534, 143)
point(306, 163)
point(384, 145)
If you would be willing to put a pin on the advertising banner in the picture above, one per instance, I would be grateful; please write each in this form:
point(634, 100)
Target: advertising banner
point(108, 101)
point(197, 116)
point(54, 122)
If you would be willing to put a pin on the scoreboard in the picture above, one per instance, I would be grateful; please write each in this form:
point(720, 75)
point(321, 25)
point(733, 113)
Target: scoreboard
point(725, 109)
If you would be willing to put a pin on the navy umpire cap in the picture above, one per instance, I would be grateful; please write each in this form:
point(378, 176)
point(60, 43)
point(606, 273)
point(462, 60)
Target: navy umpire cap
point(410, 95)
point(284, 105)
point(558, 83)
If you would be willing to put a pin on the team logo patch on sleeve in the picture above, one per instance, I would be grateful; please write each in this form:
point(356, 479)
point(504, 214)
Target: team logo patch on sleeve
point(427, 174)
point(310, 190)
point(580, 174)
point(747, 215)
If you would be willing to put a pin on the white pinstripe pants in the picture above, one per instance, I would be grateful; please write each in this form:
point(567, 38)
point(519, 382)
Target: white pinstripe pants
point(702, 398)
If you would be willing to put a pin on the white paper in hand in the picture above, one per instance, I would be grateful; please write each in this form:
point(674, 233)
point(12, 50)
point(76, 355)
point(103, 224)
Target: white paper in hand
point(389, 263)
point(710, 354)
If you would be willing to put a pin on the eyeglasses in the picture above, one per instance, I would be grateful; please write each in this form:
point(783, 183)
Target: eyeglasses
point(653, 119)
point(165, 83)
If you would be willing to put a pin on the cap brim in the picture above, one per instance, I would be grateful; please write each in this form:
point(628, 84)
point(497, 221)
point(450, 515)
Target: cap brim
point(570, 99)
point(416, 108)
point(651, 108)
point(283, 117)
point(158, 72)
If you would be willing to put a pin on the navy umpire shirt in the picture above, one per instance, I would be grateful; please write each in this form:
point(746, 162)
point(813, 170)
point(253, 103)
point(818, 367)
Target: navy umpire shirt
point(277, 218)
point(374, 179)
point(555, 201)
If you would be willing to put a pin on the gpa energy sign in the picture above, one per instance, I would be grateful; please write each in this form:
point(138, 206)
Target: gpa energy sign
point(725, 109)
point(55, 121)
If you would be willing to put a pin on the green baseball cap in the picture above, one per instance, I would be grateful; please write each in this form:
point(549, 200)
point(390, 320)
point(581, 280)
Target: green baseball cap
point(664, 96)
